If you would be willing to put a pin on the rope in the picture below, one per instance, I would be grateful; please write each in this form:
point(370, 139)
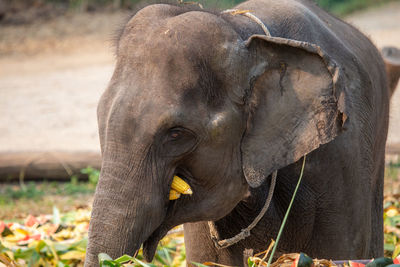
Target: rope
point(248, 14)
point(220, 244)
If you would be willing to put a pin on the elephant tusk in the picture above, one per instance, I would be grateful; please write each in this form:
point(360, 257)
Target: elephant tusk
point(179, 185)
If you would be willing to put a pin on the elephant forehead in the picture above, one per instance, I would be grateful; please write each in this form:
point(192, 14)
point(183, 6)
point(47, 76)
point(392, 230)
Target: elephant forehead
point(178, 42)
point(174, 78)
point(163, 49)
point(145, 109)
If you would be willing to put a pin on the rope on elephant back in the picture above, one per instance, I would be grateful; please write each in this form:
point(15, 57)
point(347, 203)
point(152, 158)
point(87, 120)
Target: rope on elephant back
point(220, 244)
point(247, 13)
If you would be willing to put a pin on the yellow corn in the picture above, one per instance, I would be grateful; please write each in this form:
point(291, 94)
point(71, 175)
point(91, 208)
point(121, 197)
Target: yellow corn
point(181, 186)
point(174, 194)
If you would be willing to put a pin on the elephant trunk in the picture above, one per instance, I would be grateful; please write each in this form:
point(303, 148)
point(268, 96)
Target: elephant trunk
point(127, 209)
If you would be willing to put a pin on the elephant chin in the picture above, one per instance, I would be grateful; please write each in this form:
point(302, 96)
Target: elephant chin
point(150, 245)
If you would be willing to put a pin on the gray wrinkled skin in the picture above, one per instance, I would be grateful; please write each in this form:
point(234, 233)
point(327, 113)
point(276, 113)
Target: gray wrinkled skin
point(211, 98)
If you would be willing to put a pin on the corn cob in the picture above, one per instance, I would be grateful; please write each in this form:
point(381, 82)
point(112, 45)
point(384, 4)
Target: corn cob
point(181, 186)
point(174, 194)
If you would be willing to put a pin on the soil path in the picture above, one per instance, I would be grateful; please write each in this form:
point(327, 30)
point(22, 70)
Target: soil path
point(51, 77)
point(48, 98)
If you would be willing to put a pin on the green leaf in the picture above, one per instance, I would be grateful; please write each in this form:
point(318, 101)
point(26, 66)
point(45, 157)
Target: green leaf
point(41, 244)
point(61, 248)
point(24, 254)
point(35, 257)
point(389, 247)
point(109, 263)
point(141, 263)
point(3, 248)
point(103, 257)
point(123, 259)
point(52, 250)
point(72, 255)
point(92, 174)
point(160, 259)
point(167, 256)
point(396, 251)
point(56, 215)
point(250, 263)
point(80, 245)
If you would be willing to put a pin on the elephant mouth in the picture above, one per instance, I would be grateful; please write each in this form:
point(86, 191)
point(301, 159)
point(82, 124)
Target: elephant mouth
point(150, 244)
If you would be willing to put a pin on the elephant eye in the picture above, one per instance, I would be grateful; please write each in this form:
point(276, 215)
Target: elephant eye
point(175, 134)
point(179, 141)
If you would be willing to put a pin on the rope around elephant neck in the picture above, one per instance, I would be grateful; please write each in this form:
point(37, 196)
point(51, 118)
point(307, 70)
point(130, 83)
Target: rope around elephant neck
point(220, 244)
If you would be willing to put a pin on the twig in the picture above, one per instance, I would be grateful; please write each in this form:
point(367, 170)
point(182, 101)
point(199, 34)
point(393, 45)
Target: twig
point(287, 213)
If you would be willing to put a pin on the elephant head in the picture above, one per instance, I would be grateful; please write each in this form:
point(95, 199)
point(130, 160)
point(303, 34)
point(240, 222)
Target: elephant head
point(190, 96)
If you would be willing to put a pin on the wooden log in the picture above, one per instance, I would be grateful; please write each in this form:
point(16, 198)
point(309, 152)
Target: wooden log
point(393, 149)
point(62, 165)
point(45, 165)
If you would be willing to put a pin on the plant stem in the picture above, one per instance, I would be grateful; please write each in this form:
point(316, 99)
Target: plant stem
point(287, 213)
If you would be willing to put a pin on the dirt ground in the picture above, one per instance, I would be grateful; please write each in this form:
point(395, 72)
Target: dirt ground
point(51, 77)
point(53, 73)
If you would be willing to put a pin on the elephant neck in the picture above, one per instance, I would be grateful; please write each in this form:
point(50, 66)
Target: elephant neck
point(245, 213)
point(267, 229)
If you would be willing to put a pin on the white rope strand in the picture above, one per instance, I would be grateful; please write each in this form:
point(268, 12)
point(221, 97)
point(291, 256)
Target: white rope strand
point(248, 14)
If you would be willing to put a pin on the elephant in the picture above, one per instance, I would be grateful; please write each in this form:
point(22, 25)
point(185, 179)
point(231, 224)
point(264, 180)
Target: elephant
point(212, 98)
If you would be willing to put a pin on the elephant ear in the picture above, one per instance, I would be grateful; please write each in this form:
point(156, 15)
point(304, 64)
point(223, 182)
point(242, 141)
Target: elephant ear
point(292, 104)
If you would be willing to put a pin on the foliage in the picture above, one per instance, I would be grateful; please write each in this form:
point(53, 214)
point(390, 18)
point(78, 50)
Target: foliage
point(339, 7)
point(40, 197)
point(342, 7)
point(46, 240)
point(392, 175)
point(391, 219)
point(30, 191)
point(171, 253)
point(36, 190)
point(60, 239)
point(93, 174)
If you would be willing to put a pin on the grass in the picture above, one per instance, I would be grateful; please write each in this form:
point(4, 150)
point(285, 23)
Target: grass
point(39, 198)
point(19, 200)
point(392, 175)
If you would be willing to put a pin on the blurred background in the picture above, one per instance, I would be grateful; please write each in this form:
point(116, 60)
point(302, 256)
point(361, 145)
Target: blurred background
point(56, 58)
